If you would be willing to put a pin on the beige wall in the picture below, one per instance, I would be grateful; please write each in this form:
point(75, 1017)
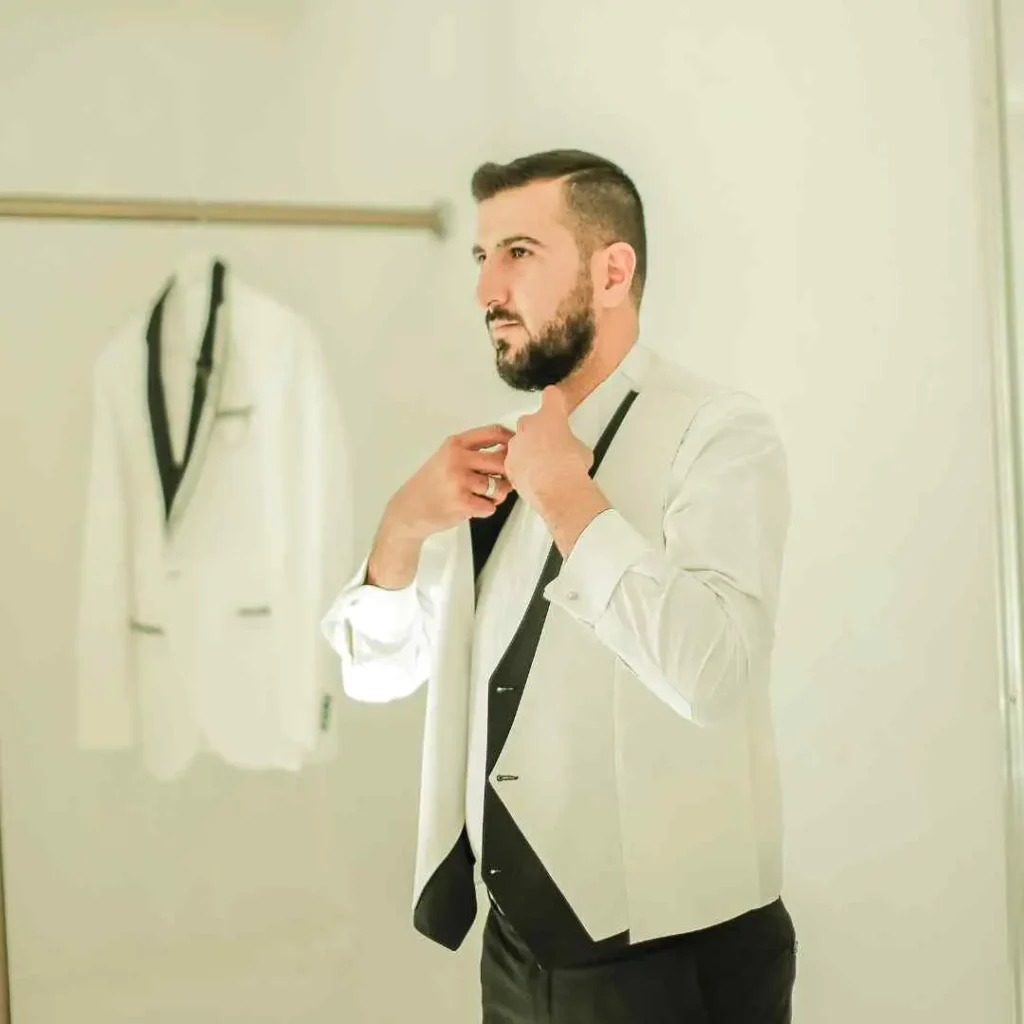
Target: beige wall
point(811, 189)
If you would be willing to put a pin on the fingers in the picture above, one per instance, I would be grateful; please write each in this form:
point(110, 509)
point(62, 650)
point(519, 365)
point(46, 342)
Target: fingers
point(485, 462)
point(483, 437)
point(479, 483)
point(479, 465)
point(481, 508)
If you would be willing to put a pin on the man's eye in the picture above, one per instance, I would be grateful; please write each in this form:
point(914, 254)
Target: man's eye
point(520, 250)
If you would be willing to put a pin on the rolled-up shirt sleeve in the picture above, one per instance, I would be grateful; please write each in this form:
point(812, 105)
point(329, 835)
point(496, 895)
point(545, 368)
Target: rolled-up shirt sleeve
point(376, 613)
point(385, 638)
point(694, 619)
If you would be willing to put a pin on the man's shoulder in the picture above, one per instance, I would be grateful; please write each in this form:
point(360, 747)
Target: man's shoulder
point(672, 384)
point(663, 373)
point(715, 404)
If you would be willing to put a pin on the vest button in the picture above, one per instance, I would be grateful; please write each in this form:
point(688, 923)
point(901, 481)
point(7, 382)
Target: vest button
point(494, 871)
point(571, 595)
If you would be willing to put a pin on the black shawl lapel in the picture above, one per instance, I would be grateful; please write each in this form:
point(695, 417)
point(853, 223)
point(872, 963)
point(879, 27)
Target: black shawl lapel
point(173, 474)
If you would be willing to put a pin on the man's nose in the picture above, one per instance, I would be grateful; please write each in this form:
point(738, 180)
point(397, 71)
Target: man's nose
point(491, 289)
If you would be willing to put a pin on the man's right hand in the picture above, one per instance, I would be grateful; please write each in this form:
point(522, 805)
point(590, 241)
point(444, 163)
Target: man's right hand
point(451, 485)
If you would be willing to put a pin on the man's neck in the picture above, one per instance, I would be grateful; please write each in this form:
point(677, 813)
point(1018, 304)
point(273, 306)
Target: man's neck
point(602, 362)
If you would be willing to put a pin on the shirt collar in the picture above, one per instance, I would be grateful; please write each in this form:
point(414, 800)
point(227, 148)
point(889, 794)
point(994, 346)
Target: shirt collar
point(593, 414)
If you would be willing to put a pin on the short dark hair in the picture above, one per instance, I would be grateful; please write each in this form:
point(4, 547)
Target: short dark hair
point(601, 198)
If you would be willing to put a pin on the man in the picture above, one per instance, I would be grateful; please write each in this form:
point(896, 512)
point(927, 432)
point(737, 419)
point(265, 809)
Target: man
point(592, 597)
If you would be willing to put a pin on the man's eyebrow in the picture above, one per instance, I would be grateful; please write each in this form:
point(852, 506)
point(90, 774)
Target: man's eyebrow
point(511, 240)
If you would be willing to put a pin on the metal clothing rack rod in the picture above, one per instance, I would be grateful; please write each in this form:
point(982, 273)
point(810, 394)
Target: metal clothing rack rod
point(188, 211)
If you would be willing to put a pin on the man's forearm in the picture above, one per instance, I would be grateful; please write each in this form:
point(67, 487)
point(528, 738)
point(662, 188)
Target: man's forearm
point(395, 555)
point(570, 509)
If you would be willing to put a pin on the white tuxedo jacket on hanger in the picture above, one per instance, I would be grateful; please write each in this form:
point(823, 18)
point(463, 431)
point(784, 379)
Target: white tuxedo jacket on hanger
point(641, 764)
point(197, 628)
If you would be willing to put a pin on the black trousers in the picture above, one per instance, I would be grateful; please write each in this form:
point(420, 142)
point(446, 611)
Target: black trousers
point(738, 972)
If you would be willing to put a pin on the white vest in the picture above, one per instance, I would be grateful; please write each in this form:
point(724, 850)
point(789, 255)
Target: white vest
point(644, 820)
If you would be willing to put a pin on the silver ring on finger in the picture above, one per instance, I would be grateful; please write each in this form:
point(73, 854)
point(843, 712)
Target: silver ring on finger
point(492, 486)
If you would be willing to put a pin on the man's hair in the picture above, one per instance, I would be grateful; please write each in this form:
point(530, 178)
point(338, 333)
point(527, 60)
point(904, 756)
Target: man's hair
point(603, 203)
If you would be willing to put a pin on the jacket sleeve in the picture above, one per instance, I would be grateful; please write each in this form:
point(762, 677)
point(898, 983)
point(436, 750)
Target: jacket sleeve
point(105, 718)
point(386, 638)
point(694, 620)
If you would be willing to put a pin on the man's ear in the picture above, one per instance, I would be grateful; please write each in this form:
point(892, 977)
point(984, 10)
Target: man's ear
point(613, 274)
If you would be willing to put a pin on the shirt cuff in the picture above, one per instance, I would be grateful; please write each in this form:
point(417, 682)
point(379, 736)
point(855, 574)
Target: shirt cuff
point(600, 557)
point(374, 612)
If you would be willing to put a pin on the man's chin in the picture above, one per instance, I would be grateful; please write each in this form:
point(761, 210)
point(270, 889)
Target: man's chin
point(515, 382)
point(513, 379)
point(519, 383)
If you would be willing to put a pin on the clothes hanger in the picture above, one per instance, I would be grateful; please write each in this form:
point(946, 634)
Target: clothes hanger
point(193, 268)
point(191, 282)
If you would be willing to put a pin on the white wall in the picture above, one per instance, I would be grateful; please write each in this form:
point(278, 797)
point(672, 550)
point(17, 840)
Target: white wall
point(226, 897)
point(808, 172)
point(809, 176)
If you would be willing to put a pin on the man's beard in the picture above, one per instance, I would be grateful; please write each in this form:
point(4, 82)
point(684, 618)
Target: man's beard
point(557, 351)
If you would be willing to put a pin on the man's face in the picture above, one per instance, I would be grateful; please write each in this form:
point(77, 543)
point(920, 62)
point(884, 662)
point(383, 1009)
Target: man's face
point(536, 290)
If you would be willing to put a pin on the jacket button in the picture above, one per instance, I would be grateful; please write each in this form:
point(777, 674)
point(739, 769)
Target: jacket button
point(494, 871)
point(572, 595)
